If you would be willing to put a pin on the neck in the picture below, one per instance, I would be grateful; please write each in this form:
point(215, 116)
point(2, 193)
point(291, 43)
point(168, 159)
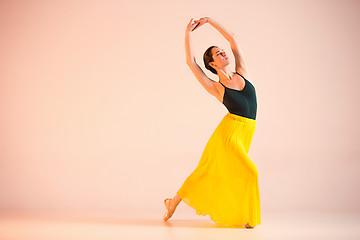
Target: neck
point(226, 74)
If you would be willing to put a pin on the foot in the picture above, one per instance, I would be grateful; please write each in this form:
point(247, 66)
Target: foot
point(170, 208)
point(248, 226)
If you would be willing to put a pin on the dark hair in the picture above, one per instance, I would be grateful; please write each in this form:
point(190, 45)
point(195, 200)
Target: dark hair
point(208, 58)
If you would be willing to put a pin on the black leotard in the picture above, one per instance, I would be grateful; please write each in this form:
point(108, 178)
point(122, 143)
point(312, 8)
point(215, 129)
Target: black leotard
point(241, 102)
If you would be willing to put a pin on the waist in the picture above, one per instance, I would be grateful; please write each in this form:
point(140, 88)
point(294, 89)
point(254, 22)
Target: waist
point(240, 118)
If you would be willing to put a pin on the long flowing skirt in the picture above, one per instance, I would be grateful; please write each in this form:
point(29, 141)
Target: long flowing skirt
point(224, 185)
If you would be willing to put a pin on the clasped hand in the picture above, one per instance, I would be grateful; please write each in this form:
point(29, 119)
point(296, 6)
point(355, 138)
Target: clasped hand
point(196, 24)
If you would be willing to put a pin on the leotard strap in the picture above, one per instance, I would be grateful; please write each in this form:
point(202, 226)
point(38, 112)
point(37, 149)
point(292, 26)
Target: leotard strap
point(241, 76)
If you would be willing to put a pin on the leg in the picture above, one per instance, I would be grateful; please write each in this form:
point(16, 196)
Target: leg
point(176, 200)
point(171, 205)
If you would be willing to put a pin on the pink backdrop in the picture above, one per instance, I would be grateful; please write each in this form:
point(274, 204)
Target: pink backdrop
point(100, 115)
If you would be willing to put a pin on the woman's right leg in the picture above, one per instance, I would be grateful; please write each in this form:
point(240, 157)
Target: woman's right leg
point(173, 203)
point(175, 200)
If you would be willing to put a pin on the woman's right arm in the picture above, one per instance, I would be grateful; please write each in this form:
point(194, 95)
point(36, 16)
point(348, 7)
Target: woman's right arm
point(205, 81)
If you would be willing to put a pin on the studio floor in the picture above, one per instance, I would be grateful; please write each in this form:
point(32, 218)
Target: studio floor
point(342, 226)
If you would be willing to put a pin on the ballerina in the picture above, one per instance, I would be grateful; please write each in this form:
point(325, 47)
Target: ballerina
point(224, 185)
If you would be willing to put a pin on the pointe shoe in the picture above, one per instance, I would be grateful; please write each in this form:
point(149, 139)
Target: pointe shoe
point(248, 226)
point(167, 205)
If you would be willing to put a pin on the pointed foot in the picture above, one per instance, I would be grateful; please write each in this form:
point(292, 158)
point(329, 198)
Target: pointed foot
point(248, 226)
point(168, 213)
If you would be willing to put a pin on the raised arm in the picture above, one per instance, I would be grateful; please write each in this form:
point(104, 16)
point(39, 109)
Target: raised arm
point(205, 81)
point(240, 64)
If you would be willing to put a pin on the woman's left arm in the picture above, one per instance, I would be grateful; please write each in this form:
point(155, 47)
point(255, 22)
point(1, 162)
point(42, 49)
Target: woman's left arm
point(240, 64)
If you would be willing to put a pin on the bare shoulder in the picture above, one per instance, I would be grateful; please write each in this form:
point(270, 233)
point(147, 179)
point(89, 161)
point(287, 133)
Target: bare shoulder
point(244, 72)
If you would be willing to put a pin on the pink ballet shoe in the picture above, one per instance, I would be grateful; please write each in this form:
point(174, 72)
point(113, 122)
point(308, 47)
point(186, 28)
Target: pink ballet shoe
point(167, 205)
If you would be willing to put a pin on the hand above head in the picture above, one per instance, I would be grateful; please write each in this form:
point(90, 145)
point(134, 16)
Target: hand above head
point(200, 22)
point(191, 25)
point(197, 23)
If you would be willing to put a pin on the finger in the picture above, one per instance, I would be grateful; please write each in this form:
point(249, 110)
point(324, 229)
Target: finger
point(195, 26)
point(189, 24)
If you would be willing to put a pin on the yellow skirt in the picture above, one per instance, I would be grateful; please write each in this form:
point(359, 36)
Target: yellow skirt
point(225, 185)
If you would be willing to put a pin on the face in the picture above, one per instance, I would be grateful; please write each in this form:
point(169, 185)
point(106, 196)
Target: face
point(220, 58)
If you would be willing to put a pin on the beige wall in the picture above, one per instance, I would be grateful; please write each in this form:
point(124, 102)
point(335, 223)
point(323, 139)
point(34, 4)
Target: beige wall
point(100, 115)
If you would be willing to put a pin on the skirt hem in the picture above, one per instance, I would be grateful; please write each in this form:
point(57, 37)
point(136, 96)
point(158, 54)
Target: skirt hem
point(219, 222)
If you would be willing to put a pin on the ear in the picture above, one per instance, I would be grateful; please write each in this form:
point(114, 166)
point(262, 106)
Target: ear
point(212, 64)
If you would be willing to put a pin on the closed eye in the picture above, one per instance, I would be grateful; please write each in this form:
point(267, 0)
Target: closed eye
point(220, 52)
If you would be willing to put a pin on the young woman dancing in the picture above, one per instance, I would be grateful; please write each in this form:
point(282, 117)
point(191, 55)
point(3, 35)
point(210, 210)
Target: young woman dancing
point(224, 185)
